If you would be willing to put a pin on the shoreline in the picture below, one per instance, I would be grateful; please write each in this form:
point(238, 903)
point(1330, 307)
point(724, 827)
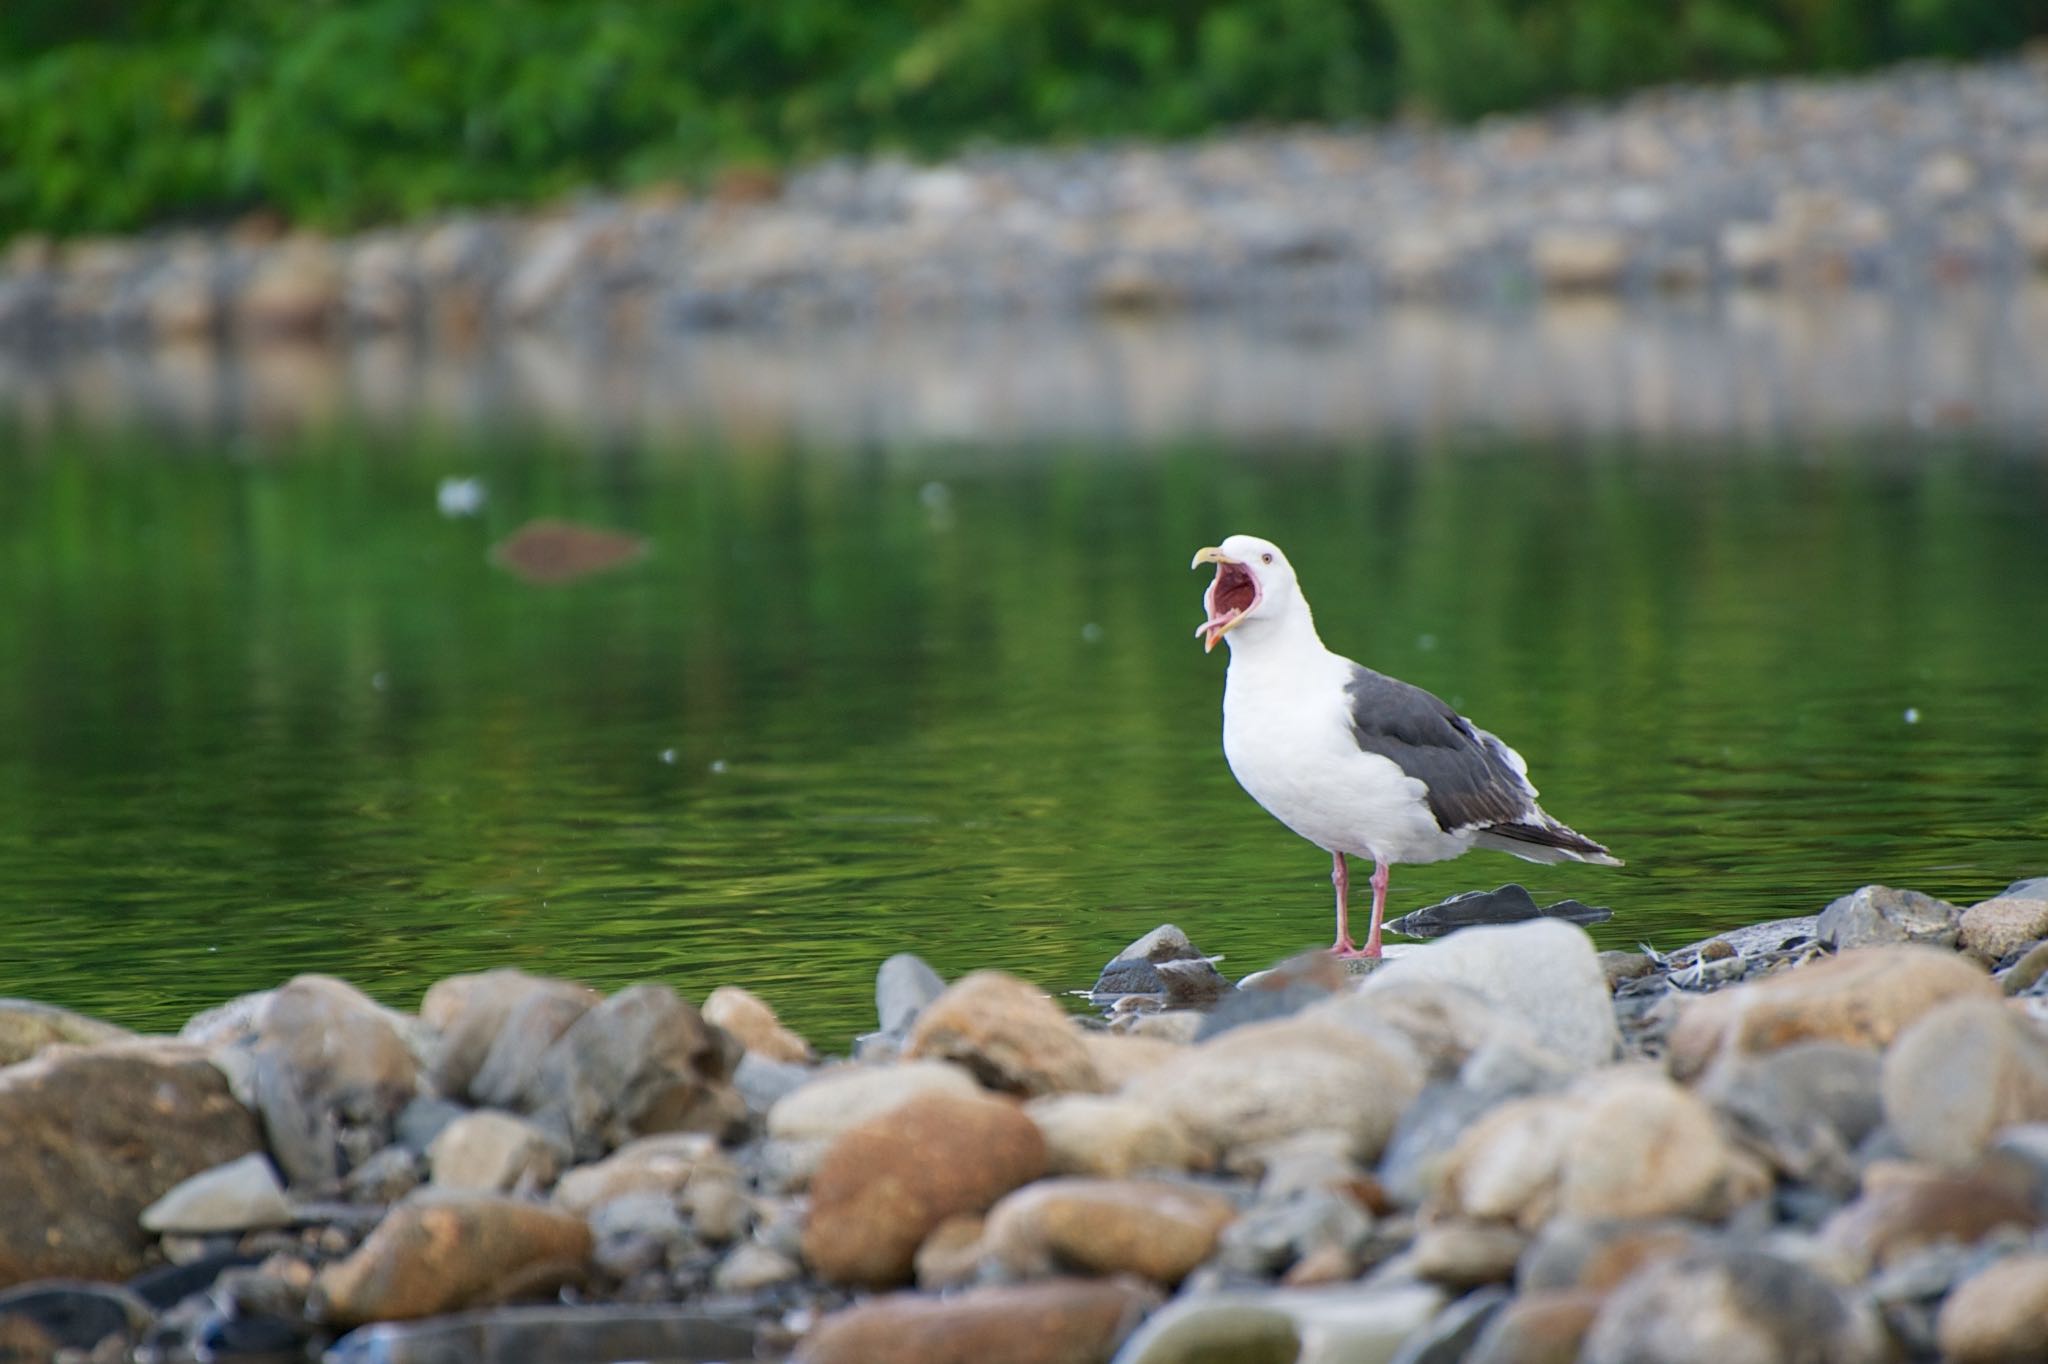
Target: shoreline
point(1911, 179)
point(1500, 1139)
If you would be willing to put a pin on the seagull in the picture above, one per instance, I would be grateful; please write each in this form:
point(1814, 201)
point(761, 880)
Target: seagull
point(1356, 762)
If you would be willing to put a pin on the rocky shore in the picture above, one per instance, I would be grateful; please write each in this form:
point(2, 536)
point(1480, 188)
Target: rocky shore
point(1822, 1138)
point(1912, 178)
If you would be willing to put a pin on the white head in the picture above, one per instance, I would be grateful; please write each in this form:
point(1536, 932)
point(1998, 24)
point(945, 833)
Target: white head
point(1254, 583)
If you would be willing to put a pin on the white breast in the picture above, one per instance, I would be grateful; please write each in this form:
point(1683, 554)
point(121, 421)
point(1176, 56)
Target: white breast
point(1287, 734)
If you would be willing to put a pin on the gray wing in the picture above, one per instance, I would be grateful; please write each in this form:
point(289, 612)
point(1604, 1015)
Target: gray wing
point(1472, 778)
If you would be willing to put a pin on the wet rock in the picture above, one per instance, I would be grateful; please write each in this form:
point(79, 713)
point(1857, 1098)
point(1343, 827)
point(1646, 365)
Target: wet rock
point(839, 1099)
point(885, 1183)
point(1061, 1321)
point(499, 1024)
point(1270, 1080)
point(40, 1319)
point(1545, 975)
point(1460, 1254)
point(454, 1251)
point(1864, 997)
point(494, 1152)
point(1959, 1074)
point(1995, 929)
point(536, 1335)
point(1722, 1304)
point(1010, 1035)
point(662, 1165)
point(642, 1062)
point(1620, 1143)
point(2000, 1315)
point(94, 1136)
point(1878, 915)
point(27, 1027)
point(237, 1196)
point(1152, 1228)
point(1347, 1322)
point(1572, 1254)
point(748, 1018)
point(1538, 1328)
point(1904, 1208)
point(1806, 1108)
point(1092, 1134)
point(904, 985)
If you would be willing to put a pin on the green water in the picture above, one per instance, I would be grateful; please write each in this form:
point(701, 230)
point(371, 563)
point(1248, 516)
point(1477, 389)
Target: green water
point(263, 710)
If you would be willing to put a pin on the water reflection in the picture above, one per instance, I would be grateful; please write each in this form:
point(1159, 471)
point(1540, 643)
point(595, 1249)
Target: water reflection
point(1755, 368)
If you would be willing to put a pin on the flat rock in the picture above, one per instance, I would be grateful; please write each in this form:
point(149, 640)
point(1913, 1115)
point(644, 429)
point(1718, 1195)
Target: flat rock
point(884, 1184)
point(1864, 997)
point(552, 1335)
point(90, 1137)
point(1010, 1035)
point(1959, 1074)
point(1155, 1229)
point(663, 1165)
point(1269, 1080)
point(1110, 1136)
point(27, 1027)
point(1060, 1321)
point(642, 1062)
point(1713, 1305)
point(1998, 1315)
point(1509, 904)
point(904, 985)
point(838, 1099)
point(1624, 1142)
point(240, 1195)
point(1995, 929)
point(1545, 975)
point(494, 1152)
point(1875, 916)
point(748, 1018)
point(516, 1015)
point(450, 1252)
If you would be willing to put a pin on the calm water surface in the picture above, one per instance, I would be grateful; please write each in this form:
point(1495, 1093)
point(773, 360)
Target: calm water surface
point(263, 710)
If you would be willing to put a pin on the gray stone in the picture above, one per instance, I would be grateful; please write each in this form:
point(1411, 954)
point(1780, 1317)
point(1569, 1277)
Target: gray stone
point(238, 1196)
point(1546, 975)
point(682, 1335)
point(1428, 1130)
point(1807, 1108)
point(903, 986)
point(385, 1177)
point(1959, 1074)
point(2033, 888)
point(761, 1082)
point(1714, 1305)
point(1273, 1235)
point(1876, 915)
point(420, 1121)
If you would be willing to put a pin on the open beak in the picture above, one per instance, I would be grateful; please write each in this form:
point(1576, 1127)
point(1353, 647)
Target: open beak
point(1231, 596)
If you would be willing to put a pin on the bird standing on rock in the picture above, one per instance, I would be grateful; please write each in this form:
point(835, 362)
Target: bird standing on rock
point(1354, 761)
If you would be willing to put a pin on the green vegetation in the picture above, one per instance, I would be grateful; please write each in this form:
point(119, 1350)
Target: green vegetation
point(117, 114)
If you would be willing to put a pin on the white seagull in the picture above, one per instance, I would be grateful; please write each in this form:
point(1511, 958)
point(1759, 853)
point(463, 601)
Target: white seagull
point(1353, 760)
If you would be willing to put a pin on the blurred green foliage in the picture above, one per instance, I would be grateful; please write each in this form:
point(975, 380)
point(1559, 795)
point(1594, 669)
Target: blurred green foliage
point(120, 113)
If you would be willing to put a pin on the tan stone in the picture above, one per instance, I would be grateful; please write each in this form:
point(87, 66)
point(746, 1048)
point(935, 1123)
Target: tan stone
point(1060, 1321)
point(1904, 1207)
point(663, 1164)
point(430, 1256)
point(1148, 1227)
point(1961, 1073)
point(843, 1098)
point(295, 287)
point(1994, 929)
point(1571, 259)
point(1120, 1057)
point(469, 1015)
point(1864, 997)
point(495, 1153)
point(1010, 1035)
point(27, 1027)
point(1998, 1315)
point(951, 1255)
point(884, 1184)
point(1098, 1134)
point(343, 1050)
point(747, 1017)
point(1461, 1254)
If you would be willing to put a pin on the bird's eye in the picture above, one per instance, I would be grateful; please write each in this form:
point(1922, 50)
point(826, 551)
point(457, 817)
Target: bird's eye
point(1265, 558)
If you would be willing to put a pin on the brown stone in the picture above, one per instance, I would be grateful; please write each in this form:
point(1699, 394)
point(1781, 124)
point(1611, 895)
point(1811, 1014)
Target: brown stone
point(1061, 1321)
point(443, 1254)
point(1905, 1207)
point(27, 1027)
point(884, 1184)
point(470, 1012)
point(1864, 997)
point(1994, 929)
point(1461, 1254)
point(296, 287)
point(1009, 1034)
point(1961, 1073)
point(1537, 1328)
point(1148, 1227)
point(91, 1137)
point(1998, 1315)
point(747, 1017)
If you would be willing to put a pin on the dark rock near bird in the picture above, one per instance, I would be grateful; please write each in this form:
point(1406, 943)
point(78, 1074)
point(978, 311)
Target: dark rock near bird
point(1508, 904)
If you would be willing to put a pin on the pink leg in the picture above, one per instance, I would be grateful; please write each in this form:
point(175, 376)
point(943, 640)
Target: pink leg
point(1379, 909)
point(1340, 877)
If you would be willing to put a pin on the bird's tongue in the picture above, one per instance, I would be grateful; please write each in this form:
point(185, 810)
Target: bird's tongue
point(1219, 617)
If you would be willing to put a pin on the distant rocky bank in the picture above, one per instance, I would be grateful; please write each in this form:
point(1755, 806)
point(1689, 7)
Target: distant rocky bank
point(1912, 178)
point(1814, 1138)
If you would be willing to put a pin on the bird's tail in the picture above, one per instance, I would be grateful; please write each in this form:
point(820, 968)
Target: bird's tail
point(1543, 839)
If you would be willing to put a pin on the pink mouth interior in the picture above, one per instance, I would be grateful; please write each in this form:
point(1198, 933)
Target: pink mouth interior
point(1231, 595)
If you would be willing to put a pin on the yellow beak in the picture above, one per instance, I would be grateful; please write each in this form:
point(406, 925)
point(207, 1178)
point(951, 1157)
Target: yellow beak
point(1211, 555)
